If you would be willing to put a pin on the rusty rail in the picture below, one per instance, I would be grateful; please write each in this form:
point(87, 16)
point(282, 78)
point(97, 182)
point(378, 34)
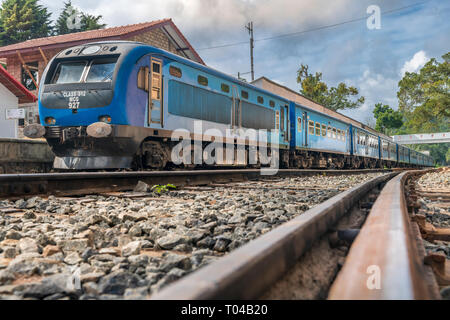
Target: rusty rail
point(384, 261)
point(251, 269)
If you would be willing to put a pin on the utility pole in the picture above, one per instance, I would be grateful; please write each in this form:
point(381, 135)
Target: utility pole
point(249, 27)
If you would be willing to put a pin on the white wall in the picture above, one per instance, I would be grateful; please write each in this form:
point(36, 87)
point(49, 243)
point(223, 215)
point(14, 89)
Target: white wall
point(7, 101)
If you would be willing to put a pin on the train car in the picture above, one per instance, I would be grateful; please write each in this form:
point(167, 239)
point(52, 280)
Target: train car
point(317, 140)
point(366, 149)
point(116, 104)
point(402, 155)
point(388, 152)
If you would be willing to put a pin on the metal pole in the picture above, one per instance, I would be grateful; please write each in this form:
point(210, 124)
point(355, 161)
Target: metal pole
point(249, 27)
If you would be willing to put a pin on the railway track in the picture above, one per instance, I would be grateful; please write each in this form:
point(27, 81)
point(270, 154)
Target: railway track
point(302, 234)
point(385, 259)
point(79, 183)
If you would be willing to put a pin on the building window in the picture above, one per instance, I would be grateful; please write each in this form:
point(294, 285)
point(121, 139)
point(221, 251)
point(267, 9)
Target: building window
point(176, 72)
point(260, 100)
point(317, 129)
point(299, 124)
point(225, 88)
point(311, 127)
point(202, 80)
point(26, 79)
point(272, 103)
point(324, 130)
point(244, 94)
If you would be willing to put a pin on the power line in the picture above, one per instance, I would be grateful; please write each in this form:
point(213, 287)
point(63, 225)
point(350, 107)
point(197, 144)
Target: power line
point(313, 29)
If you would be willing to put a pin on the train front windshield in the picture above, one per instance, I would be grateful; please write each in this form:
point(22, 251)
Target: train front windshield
point(85, 71)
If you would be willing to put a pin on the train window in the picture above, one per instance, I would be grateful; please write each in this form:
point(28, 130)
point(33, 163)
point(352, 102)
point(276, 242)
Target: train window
point(344, 134)
point(202, 80)
point(225, 88)
point(338, 134)
point(156, 68)
point(334, 133)
point(156, 80)
point(329, 132)
point(324, 130)
point(69, 72)
point(244, 94)
point(260, 99)
point(311, 127)
point(299, 124)
point(272, 103)
point(142, 78)
point(101, 70)
point(277, 120)
point(176, 72)
point(317, 129)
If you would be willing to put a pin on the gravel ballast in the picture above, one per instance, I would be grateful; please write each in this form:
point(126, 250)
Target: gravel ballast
point(131, 245)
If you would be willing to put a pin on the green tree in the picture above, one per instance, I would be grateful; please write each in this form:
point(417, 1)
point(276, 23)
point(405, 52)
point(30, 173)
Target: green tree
point(424, 101)
point(21, 20)
point(387, 118)
point(334, 98)
point(73, 20)
point(424, 97)
point(91, 22)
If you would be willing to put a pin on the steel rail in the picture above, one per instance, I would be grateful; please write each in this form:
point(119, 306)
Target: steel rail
point(95, 182)
point(247, 272)
point(384, 261)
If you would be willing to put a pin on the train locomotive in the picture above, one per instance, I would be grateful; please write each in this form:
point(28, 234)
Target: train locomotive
point(115, 105)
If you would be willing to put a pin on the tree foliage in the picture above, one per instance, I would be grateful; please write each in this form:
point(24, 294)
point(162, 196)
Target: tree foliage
point(22, 20)
point(73, 20)
point(424, 97)
point(424, 101)
point(387, 118)
point(334, 98)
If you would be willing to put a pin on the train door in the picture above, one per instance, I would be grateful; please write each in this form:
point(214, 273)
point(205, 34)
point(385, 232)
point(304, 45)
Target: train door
point(236, 109)
point(305, 129)
point(367, 141)
point(155, 112)
point(285, 123)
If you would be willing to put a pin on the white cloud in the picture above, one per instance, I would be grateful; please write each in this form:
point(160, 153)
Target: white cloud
point(418, 61)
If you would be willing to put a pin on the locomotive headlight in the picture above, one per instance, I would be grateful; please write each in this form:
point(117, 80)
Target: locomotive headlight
point(50, 120)
point(105, 119)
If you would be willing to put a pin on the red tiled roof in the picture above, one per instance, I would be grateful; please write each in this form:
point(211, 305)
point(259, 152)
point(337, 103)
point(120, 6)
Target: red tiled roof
point(24, 95)
point(82, 36)
point(114, 33)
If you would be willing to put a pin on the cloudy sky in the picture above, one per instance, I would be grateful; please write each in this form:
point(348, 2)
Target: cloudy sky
point(373, 60)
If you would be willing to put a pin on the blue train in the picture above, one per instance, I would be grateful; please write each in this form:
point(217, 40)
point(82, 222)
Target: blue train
point(110, 105)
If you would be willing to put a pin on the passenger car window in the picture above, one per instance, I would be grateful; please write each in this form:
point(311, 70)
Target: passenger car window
point(244, 94)
point(272, 103)
point(317, 129)
point(202, 80)
point(311, 127)
point(260, 99)
point(299, 124)
point(334, 133)
point(176, 72)
point(225, 88)
point(324, 130)
point(329, 132)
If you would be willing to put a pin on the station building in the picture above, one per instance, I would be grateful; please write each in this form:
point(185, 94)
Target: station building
point(12, 94)
point(26, 61)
